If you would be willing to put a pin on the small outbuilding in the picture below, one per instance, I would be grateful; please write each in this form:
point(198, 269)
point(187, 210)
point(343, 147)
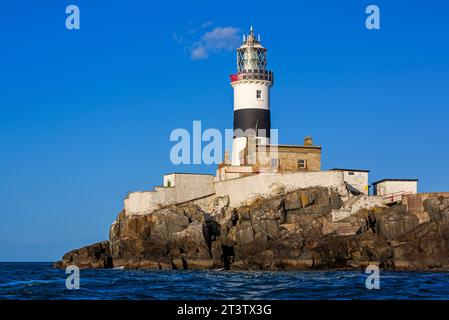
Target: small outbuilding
point(399, 187)
point(356, 179)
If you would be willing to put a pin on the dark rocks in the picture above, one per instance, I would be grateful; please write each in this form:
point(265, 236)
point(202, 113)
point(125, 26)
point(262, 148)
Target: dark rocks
point(284, 232)
point(394, 222)
point(437, 208)
point(96, 256)
point(312, 200)
point(175, 237)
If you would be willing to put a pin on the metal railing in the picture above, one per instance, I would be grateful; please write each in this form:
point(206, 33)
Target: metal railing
point(253, 75)
point(395, 196)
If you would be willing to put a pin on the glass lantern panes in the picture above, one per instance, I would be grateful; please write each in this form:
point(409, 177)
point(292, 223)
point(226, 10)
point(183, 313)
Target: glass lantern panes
point(251, 58)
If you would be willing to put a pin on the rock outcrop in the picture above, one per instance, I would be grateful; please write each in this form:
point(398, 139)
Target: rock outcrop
point(286, 231)
point(95, 256)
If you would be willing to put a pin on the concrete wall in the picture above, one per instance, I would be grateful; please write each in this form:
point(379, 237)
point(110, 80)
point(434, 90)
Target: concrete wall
point(357, 179)
point(243, 189)
point(232, 172)
point(141, 202)
point(238, 146)
point(169, 180)
point(186, 187)
point(388, 187)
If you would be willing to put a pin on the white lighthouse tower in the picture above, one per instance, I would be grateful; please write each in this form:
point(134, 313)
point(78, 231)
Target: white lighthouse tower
point(251, 85)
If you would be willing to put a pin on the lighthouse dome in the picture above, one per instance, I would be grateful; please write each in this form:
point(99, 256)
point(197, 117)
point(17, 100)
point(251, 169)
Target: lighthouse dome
point(251, 55)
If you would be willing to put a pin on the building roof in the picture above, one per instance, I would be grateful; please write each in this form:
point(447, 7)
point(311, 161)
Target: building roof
point(355, 170)
point(289, 146)
point(190, 173)
point(384, 180)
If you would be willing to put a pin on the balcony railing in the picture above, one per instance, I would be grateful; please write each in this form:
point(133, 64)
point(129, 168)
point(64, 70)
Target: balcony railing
point(253, 75)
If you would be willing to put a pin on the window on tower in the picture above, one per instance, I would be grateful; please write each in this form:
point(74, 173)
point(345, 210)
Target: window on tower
point(259, 94)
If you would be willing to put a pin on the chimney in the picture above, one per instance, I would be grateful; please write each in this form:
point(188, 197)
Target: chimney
point(308, 141)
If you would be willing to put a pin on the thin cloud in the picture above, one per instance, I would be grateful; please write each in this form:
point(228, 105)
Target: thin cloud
point(201, 46)
point(178, 38)
point(207, 24)
point(199, 53)
point(218, 40)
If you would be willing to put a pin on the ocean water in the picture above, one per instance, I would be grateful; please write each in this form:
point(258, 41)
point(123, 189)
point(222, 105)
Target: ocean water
point(41, 281)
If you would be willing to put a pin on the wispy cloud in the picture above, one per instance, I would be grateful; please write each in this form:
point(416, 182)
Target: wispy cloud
point(219, 39)
point(199, 53)
point(207, 24)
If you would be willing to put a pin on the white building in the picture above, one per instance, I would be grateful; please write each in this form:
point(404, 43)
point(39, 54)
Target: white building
point(395, 187)
point(356, 178)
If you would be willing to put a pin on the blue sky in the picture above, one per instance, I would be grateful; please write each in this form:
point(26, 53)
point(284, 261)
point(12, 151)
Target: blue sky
point(86, 115)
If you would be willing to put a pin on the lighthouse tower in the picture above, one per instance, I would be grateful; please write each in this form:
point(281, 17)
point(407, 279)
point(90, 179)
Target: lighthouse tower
point(251, 86)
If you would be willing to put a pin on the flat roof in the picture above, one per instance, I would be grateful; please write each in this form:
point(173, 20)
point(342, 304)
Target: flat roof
point(384, 180)
point(288, 146)
point(356, 170)
point(191, 173)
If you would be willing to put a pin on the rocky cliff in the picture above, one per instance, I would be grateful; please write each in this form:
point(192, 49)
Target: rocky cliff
point(97, 255)
point(286, 231)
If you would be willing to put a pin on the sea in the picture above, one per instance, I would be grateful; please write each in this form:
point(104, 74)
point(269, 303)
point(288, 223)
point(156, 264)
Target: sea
point(37, 281)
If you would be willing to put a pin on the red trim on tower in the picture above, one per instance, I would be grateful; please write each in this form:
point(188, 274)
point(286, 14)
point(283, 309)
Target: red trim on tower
point(234, 77)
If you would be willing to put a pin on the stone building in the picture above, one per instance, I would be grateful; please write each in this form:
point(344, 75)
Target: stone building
point(258, 158)
point(287, 158)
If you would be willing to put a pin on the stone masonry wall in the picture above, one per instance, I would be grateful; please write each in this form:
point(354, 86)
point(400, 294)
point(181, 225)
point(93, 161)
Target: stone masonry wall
point(243, 189)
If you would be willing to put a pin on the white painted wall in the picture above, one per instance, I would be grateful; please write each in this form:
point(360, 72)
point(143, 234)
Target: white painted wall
point(388, 187)
point(243, 189)
point(170, 179)
point(358, 180)
point(245, 95)
point(238, 144)
point(141, 202)
point(186, 188)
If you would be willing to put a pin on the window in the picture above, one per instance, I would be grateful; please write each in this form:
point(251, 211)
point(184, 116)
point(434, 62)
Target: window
point(351, 173)
point(274, 163)
point(302, 164)
point(258, 94)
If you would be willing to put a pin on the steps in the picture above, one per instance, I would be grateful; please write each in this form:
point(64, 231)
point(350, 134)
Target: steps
point(354, 204)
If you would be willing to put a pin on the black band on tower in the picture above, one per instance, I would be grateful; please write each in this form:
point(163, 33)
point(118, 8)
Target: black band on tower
point(256, 119)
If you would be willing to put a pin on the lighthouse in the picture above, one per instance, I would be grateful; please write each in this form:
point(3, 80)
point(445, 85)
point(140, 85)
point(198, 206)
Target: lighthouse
point(251, 85)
